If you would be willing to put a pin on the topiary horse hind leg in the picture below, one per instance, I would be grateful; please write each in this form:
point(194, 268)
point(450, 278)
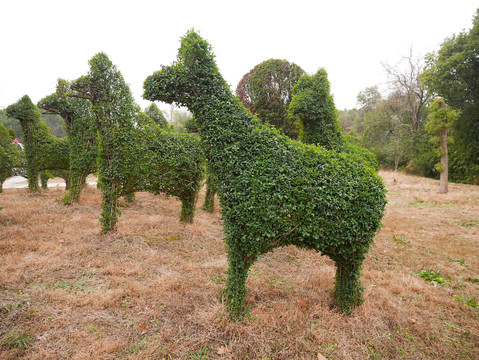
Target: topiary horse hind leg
point(211, 190)
point(347, 286)
point(77, 183)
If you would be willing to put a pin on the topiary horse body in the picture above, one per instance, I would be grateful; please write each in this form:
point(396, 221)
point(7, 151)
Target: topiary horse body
point(43, 151)
point(273, 191)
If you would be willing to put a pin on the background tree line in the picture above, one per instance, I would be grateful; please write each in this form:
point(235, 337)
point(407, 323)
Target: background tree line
point(394, 125)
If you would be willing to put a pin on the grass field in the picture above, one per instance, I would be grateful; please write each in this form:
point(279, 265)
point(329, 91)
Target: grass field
point(152, 289)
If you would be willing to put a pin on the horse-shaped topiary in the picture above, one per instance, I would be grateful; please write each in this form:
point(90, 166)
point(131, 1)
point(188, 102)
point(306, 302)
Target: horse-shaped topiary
point(82, 135)
point(43, 151)
point(273, 191)
point(136, 154)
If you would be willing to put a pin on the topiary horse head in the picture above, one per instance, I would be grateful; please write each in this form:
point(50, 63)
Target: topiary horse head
point(273, 191)
point(43, 151)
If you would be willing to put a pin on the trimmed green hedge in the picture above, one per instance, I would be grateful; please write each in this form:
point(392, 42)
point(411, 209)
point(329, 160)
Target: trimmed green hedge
point(273, 191)
point(43, 151)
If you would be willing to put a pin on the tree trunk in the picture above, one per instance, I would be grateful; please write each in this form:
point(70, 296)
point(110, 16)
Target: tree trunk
point(443, 176)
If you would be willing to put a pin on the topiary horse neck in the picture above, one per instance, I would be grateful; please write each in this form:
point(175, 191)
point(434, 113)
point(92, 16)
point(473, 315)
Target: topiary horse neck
point(195, 82)
point(273, 191)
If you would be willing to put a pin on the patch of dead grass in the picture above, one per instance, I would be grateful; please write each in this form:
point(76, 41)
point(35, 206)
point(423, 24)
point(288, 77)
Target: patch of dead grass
point(152, 289)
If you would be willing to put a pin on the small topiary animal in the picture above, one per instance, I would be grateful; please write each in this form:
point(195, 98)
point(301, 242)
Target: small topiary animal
point(82, 135)
point(43, 151)
point(273, 191)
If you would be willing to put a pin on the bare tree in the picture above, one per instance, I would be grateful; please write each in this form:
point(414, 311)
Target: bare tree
point(405, 77)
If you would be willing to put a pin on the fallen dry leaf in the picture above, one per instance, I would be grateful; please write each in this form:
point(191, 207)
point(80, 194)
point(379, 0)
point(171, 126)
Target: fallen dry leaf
point(223, 350)
point(301, 303)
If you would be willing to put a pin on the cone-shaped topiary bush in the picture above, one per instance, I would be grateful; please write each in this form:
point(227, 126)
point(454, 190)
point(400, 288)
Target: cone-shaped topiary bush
point(273, 191)
point(43, 151)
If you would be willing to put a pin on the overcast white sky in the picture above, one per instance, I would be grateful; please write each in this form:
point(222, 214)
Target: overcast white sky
point(42, 41)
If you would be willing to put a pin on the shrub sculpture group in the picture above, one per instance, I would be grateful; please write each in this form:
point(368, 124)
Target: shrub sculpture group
point(81, 136)
point(273, 191)
point(135, 154)
point(43, 151)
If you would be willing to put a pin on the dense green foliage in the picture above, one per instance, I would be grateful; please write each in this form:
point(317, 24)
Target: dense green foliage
point(273, 191)
point(81, 130)
point(313, 107)
point(11, 123)
point(54, 122)
point(386, 128)
point(211, 184)
point(453, 73)
point(11, 156)
point(43, 151)
point(266, 92)
point(157, 116)
point(134, 153)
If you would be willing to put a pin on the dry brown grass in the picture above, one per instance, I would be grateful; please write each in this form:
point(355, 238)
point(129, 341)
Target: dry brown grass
point(152, 289)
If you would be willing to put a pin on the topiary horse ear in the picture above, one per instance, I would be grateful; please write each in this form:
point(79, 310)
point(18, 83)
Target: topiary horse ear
point(194, 49)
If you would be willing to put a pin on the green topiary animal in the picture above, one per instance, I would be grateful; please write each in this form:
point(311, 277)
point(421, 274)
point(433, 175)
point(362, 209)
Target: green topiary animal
point(134, 153)
point(11, 157)
point(312, 105)
point(82, 134)
point(273, 191)
point(43, 151)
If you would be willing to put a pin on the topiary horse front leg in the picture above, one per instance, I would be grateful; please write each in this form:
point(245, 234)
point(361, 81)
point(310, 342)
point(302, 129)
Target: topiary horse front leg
point(347, 287)
point(235, 292)
point(32, 176)
point(188, 206)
